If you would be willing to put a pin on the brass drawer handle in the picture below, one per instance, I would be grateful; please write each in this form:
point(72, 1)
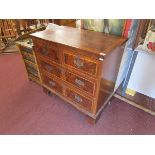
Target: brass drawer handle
point(44, 52)
point(78, 62)
point(79, 82)
point(78, 98)
point(48, 68)
point(52, 83)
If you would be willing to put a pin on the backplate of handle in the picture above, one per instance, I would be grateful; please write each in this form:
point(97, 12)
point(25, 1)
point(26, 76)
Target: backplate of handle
point(78, 62)
point(48, 68)
point(45, 52)
point(52, 83)
point(79, 82)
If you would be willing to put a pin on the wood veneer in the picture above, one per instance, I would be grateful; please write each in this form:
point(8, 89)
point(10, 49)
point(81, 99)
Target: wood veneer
point(83, 63)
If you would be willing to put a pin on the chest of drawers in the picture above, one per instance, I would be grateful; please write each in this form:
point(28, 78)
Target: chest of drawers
point(80, 66)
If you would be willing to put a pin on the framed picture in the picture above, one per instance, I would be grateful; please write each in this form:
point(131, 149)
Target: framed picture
point(94, 24)
point(116, 26)
point(111, 26)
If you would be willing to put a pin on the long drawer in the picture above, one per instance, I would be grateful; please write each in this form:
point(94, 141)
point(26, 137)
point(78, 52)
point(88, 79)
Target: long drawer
point(80, 82)
point(79, 99)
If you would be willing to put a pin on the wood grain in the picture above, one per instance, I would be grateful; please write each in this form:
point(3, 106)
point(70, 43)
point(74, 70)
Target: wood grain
point(94, 42)
point(82, 64)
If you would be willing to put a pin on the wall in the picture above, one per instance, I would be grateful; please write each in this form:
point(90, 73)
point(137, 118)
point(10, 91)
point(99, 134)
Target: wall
point(127, 53)
point(143, 74)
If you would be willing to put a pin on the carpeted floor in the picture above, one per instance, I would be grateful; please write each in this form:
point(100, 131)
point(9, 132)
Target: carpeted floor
point(25, 109)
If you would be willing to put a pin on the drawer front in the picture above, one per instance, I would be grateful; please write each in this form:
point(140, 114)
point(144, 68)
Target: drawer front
point(52, 84)
point(81, 63)
point(50, 68)
point(48, 51)
point(81, 83)
point(84, 102)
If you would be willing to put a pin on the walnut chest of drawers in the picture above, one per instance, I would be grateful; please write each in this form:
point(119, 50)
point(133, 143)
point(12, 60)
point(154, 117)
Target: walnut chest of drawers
point(80, 66)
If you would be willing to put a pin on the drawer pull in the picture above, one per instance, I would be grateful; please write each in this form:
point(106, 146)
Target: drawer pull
point(79, 82)
point(45, 52)
point(48, 68)
point(52, 83)
point(101, 59)
point(78, 98)
point(78, 62)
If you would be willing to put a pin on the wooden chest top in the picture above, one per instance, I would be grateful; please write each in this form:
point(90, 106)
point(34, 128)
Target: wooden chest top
point(95, 42)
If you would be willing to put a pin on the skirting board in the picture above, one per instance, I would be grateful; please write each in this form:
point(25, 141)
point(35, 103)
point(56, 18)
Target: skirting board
point(134, 104)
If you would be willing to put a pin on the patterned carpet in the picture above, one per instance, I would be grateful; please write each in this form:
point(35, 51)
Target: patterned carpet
point(25, 109)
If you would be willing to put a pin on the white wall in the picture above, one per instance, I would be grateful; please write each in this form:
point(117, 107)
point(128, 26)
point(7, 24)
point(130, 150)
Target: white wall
point(143, 75)
point(127, 53)
point(126, 58)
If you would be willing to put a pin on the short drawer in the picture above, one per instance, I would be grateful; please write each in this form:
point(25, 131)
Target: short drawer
point(80, 63)
point(80, 82)
point(52, 84)
point(78, 99)
point(50, 68)
point(48, 51)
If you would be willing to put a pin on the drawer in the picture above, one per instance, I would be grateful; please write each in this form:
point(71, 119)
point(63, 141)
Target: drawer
point(80, 63)
point(48, 51)
point(80, 82)
point(51, 83)
point(50, 68)
point(78, 99)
